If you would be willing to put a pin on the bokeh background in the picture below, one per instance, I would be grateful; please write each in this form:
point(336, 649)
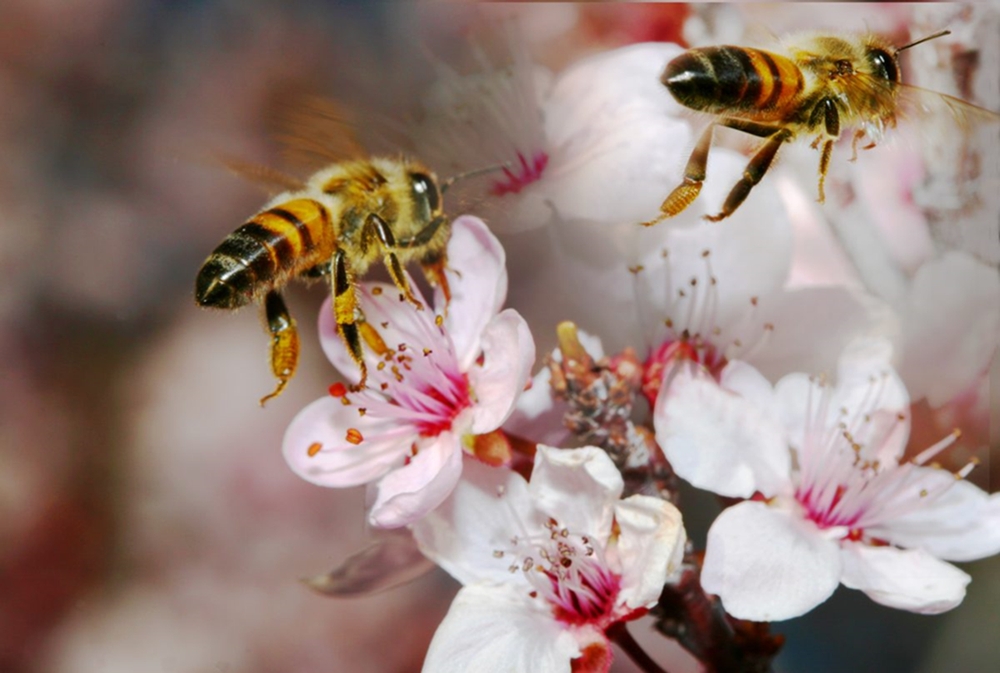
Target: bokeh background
point(147, 519)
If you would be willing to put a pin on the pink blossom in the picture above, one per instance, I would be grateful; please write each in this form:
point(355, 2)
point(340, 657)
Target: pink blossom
point(830, 499)
point(548, 566)
point(440, 381)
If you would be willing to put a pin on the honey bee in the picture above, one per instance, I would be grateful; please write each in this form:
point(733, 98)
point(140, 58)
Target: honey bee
point(821, 86)
point(344, 219)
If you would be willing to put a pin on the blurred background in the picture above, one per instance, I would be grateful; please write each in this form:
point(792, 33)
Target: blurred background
point(148, 521)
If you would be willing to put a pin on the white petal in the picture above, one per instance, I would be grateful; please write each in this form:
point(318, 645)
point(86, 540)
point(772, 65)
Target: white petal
point(499, 630)
point(908, 579)
point(811, 328)
point(719, 441)
point(486, 507)
point(339, 462)
point(961, 524)
point(414, 489)
point(616, 136)
point(477, 277)
point(650, 546)
point(508, 355)
point(577, 487)
point(951, 325)
point(766, 564)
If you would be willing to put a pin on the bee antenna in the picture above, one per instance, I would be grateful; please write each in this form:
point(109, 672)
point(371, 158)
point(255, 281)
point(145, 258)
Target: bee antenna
point(924, 39)
point(445, 184)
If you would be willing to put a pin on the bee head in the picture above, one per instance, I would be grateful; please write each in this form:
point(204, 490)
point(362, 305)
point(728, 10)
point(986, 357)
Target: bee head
point(426, 194)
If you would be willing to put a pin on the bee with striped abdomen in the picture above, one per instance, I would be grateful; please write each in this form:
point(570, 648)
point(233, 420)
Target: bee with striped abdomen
point(345, 218)
point(821, 86)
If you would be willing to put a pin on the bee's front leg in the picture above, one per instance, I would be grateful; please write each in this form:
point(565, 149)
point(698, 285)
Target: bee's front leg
point(826, 111)
point(377, 230)
point(284, 342)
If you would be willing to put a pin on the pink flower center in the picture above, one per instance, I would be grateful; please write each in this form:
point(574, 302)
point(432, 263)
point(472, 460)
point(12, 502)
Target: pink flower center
point(692, 329)
point(520, 176)
point(570, 573)
point(841, 483)
point(673, 352)
point(422, 388)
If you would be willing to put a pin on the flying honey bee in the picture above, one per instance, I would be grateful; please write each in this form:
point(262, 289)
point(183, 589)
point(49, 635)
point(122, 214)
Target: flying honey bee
point(344, 219)
point(821, 86)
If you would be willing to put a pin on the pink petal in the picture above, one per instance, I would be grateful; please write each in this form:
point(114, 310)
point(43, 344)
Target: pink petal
point(477, 277)
point(768, 565)
point(463, 533)
point(952, 323)
point(719, 441)
point(961, 524)
point(411, 491)
point(508, 355)
point(495, 629)
point(908, 579)
point(650, 546)
point(811, 328)
point(577, 487)
point(338, 461)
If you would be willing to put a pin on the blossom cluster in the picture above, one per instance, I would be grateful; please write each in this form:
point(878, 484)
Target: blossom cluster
point(543, 488)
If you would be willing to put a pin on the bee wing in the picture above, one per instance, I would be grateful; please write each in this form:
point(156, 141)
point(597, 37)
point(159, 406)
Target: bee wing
point(270, 179)
point(916, 103)
point(315, 132)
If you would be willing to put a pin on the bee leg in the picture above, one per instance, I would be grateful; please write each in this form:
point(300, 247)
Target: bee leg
point(377, 230)
point(694, 175)
point(284, 342)
point(752, 174)
point(434, 265)
point(425, 235)
point(348, 314)
point(831, 120)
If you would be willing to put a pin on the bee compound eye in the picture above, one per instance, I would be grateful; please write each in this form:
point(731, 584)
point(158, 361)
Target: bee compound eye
point(425, 188)
point(883, 64)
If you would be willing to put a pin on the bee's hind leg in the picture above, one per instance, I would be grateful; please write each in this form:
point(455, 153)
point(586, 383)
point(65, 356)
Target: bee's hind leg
point(284, 342)
point(694, 175)
point(752, 174)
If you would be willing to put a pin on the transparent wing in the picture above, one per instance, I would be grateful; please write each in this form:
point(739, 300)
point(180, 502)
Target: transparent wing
point(315, 132)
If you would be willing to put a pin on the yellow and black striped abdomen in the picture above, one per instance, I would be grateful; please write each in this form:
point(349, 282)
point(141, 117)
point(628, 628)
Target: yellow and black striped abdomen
point(728, 80)
point(274, 244)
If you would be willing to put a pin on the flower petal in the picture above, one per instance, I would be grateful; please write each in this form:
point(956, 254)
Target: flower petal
point(508, 355)
point(767, 565)
point(462, 534)
point(317, 448)
point(952, 323)
point(717, 440)
point(616, 136)
point(650, 547)
point(497, 629)
point(477, 277)
point(960, 524)
point(812, 326)
point(577, 487)
point(411, 491)
point(908, 579)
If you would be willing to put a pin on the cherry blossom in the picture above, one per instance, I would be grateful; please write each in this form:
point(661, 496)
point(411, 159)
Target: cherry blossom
point(829, 498)
point(600, 142)
point(548, 566)
point(436, 383)
point(703, 297)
